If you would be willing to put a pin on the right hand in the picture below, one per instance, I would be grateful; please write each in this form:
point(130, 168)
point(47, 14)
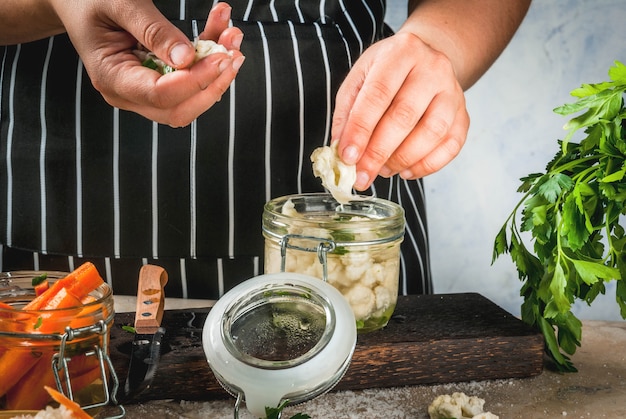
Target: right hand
point(106, 32)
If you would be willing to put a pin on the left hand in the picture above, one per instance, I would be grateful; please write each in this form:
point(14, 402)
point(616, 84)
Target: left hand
point(400, 110)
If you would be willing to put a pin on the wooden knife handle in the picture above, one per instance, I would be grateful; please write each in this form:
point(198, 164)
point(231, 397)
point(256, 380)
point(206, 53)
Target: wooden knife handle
point(150, 299)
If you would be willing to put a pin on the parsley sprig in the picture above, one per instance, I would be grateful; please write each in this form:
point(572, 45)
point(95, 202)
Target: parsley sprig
point(572, 213)
point(275, 412)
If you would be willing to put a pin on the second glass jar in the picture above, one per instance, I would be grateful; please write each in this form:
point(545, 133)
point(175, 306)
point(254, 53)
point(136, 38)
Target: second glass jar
point(355, 247)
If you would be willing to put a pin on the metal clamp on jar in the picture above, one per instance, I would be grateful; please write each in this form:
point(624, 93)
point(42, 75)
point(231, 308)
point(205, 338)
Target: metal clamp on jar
point(279, 337)
point(355, 247)
point(69, 353)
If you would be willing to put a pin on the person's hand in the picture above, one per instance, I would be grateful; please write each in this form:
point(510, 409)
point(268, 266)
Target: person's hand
point(399, 110)
point(105, 33)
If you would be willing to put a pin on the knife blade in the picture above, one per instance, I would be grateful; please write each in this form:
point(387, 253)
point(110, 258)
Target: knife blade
point(146, 347)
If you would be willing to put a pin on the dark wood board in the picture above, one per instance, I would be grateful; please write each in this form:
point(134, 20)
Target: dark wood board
point(431, 339)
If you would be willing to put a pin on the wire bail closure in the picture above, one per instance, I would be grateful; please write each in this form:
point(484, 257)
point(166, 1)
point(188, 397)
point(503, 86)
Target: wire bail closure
point(322, 249)
point(60, 366)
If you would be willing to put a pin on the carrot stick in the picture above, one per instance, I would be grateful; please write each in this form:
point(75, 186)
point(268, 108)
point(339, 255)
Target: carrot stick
point(39, 302)
point(42, 287)
point(79, 283)
point(64, 293)
point(29, 393)
point(5, 306)
point(14, 364)
point(70, 405)
point(87, 280)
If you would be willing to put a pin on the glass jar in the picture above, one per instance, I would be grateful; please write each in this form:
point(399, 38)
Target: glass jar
point(66, 349)
point(355, 247)
point(277, 338)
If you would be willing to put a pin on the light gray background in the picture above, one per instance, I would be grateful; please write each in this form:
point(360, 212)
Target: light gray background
point(560, 45)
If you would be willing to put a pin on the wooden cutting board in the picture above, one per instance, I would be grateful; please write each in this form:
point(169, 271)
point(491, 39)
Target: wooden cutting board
point(431, 339)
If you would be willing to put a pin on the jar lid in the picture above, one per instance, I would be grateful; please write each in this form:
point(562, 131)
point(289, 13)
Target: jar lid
point(276, 337)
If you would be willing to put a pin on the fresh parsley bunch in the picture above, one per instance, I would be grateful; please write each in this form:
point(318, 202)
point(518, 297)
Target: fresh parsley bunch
point(573, 213)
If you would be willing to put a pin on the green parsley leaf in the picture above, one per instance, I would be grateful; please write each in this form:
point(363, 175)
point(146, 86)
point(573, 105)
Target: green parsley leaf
point(573, 213)
point(275, 412)
point(39, 279)
point(38, 323)
point(128, 328)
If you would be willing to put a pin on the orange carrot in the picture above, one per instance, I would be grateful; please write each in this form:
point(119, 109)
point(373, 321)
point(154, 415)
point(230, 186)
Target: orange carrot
point(79, 283)
point(42, 287)
point(64, 293)
point(5, 306)
point(42, 300)
point(28, 393)
point(87, 279)
point(14, 364)
point(73, 407)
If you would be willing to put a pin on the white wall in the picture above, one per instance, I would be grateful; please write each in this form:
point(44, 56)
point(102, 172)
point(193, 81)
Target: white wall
point(560, 45)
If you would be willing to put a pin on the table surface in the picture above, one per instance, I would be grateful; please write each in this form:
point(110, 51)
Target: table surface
point(597, 390)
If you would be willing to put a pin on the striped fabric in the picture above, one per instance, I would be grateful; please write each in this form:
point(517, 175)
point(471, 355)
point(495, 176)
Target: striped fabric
point(81, 180)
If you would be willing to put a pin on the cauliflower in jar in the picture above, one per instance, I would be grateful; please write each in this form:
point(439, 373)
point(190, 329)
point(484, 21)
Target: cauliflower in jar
point(362, 262)
point(458, 406)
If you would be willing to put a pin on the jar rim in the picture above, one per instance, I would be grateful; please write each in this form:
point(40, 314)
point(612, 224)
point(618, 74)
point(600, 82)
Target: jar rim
point(299, 383)
point(322, 211)
point(103, 291)
point(273, 293)
point(101, 309)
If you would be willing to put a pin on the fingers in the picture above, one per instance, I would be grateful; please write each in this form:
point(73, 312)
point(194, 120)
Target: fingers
point(176, 98)
point(105, 34)
point(217, 22)
point(436, 122)
point(440, 154)
point(156, 33)
point(400, 110)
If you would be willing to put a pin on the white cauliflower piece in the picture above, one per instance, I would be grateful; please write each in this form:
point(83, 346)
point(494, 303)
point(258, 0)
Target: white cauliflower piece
point(361, 300)
point(445, 407)
point(356, 265)
point(473, 406)
point(206, 47)
point(458, 406)
point(289, 209)
point(336, 176)
point(383, 298)
point(203, 47)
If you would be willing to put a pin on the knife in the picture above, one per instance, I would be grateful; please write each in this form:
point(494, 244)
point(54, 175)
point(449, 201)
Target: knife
point(146, 347)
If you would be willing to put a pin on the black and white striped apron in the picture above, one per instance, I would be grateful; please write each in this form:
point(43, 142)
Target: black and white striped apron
point(80, 180)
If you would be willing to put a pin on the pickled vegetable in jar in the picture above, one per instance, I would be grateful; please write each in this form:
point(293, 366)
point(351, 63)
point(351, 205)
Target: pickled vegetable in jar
point(355, 247)
point(53, 347)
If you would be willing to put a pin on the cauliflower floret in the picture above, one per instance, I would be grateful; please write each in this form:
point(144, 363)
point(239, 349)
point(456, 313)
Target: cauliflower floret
point(336, 176)
point(206, 47)
point(473, 406)
point(203, 48)
point(383, 298)
point(356, 265)
point(289, 209)
point(445, 407)
point(362, 301)
point(458, 406)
